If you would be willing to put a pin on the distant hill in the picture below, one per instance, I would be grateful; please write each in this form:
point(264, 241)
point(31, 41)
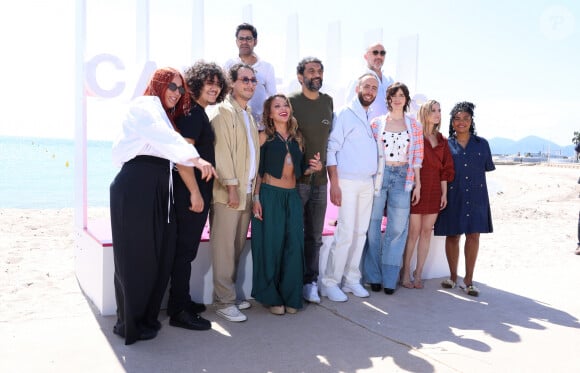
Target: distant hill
point(530, 144)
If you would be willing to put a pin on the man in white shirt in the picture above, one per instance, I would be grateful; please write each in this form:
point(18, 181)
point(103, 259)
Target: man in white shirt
point(375, 58)
point(246, 40)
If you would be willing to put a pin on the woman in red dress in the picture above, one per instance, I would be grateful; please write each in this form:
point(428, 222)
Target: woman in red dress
point(437, 170)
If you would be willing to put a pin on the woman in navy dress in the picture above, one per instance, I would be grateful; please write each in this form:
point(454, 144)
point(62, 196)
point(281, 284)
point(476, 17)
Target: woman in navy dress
point(468, 211)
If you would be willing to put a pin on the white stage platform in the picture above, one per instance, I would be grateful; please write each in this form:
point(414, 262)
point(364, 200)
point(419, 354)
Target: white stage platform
point(95, 268)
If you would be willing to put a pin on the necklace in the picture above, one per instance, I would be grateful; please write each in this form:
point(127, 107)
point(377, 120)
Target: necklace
point(288, 158)
point(281, 137)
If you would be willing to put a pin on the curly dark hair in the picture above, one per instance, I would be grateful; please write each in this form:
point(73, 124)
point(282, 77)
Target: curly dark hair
point(302, 64)
point(201, 72)
point(392, 90)
point(465, 107)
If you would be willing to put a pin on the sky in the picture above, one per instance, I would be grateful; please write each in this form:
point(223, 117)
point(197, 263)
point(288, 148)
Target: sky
point(517, 61)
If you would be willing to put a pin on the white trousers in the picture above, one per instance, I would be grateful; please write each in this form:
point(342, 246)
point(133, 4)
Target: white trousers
point(349, 237)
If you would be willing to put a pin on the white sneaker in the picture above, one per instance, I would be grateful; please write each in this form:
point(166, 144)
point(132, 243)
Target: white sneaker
point(243, 305)
point(310, 293)
point(356, 289)
point(334, 294)
point(231, 313)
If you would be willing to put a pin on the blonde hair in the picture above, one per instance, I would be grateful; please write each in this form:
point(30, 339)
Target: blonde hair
point(423, 114)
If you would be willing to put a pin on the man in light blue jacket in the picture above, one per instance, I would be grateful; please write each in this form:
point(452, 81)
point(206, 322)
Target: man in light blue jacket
point(351, 164)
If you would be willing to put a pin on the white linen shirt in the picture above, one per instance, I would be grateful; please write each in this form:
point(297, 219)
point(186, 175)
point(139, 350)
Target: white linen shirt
point(146, 130)
point(265, 88)
point(252, 172)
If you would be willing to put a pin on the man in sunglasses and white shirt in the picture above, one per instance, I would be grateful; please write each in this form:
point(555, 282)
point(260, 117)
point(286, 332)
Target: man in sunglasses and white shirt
point(246, 40)
point(375, 58)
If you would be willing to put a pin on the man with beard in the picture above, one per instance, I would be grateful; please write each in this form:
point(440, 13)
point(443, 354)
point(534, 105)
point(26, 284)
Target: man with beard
point(313, 110)
point(246, 40)
point(351, 163)
point(375, 58)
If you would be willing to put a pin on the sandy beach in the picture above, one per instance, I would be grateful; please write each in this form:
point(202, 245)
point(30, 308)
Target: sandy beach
point(527, 261)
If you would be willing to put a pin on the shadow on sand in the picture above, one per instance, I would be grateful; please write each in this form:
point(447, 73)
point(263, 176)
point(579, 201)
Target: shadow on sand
point(410, 331)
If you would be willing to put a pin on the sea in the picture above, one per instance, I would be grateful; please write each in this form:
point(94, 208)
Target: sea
point(38, 173)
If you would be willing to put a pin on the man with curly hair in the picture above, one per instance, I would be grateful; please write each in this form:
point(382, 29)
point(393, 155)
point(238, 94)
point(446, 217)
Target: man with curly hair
point(207, 84)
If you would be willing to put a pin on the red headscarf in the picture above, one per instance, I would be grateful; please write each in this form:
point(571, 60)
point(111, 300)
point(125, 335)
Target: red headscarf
point(158, 86)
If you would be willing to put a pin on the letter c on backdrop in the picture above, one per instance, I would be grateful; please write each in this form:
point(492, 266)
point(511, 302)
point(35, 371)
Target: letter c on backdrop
point(92, 86)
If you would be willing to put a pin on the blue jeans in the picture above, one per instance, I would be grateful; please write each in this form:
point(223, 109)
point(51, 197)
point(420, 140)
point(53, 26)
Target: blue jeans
point(383, 257)
point(314, 203)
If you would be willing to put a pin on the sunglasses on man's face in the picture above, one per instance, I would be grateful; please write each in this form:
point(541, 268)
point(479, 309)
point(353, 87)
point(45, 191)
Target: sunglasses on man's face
point(247, 80)
point(174, 87)
point(376, 53)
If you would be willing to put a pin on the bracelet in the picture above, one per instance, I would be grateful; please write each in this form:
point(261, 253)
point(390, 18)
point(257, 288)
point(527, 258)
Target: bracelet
point(256, 198)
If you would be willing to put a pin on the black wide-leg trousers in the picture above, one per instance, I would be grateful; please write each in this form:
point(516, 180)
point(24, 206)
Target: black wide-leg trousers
point(144, 233)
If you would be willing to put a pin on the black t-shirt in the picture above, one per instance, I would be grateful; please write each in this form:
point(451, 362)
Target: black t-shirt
point(196, 126)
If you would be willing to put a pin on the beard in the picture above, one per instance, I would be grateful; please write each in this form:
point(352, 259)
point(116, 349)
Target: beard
point(313, 85)
point(364, 102)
